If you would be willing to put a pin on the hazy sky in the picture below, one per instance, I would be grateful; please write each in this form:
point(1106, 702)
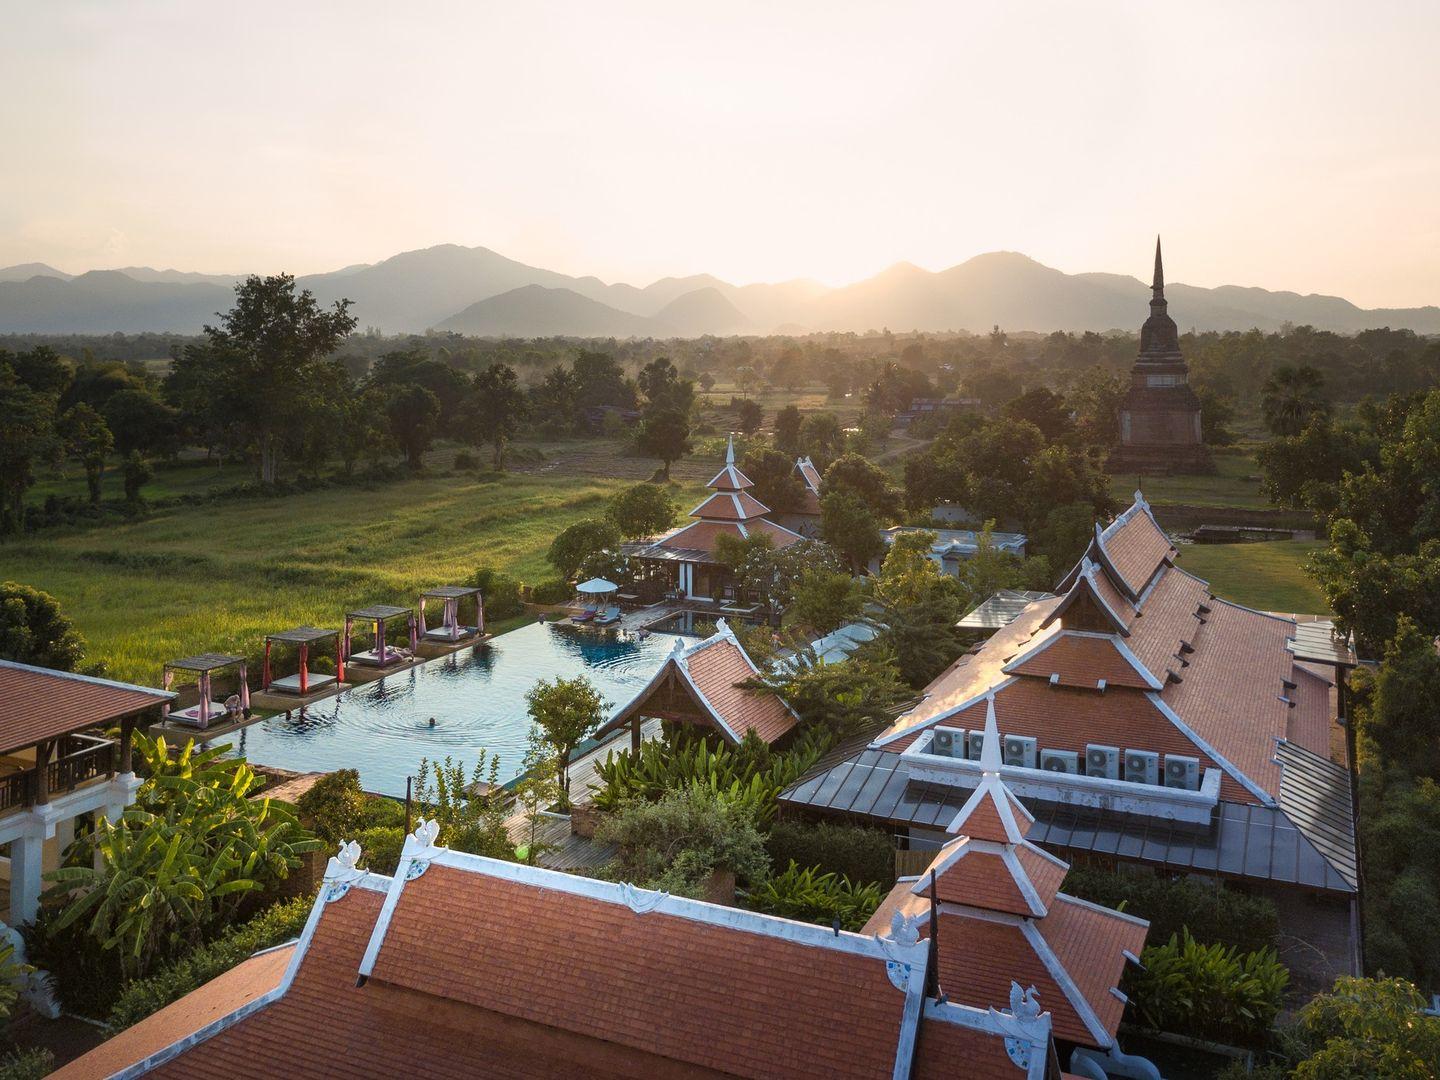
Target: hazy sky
point(1289, 145)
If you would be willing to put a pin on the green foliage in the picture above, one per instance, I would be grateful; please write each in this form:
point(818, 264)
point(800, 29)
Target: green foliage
point(1208, 991)
point(137, 473)
point(12, 971)
point(494, 409)
point(1211, 912)
point(581, 541)
point(380, 845)
point(566, 711)
point(179, 863)
point(1400, 715)
point(850, 527)
point(33, 631)
point(854, 475)
point(664, 434)
point(854, 852)
point(749, 776)
point(28, 437)
point(735, 551)
point(469, 810)
point(27, 1063)
point(844, 698)
point(273, 926)
point(88, 440)
point(1368, 1028)
point(812, 895)
point(335, 806)
point(500, 592)
point(787, 432)
point(537, 789)
point(774, 477)
point(676, 842)
point(1292, 397)
point(770, 575)
point(749, 416)
point(553, 592)
point(642, 510)
point(413, 413)
point(826, 600)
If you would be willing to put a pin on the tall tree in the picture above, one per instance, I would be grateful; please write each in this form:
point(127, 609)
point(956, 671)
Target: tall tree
point(566, 711)
point(139, 420)
point(27, 439)
point(749, 416)
point(850, 528)
point(642, 510)
point(787, 429)
point(34, 631)
point(775, 480)
point(88, 440)
point(495, 409)
point(271, 343)
point(414, 415)
point(665, 434)
point(1291, 397)
point(867, 482)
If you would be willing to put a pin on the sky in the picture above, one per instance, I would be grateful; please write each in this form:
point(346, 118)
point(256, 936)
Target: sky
point(1288, 145)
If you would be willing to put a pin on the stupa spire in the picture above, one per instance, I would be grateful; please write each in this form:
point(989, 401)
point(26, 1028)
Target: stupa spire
point(1157, 286)
point(730, 450)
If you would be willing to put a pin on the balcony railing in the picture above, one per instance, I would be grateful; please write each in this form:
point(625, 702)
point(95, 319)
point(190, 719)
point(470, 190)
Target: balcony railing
point(81, 758)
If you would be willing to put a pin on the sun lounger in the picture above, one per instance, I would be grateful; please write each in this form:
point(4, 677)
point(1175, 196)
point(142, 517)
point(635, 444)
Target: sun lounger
point(612, 614)
point(586, 615)
point(447, 633)
point(314, 681)
point(371, 657)
point(192, 714)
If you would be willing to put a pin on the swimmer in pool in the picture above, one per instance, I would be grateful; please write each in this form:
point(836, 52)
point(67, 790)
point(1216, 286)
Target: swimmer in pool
point(432, 721)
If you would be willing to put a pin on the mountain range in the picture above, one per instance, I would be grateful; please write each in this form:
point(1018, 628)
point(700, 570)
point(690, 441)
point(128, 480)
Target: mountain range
point(480, 292)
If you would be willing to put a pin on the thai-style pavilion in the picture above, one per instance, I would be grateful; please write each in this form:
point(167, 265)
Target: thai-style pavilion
point(1160, 414)
point(804, 517)
point(380, 654)
point(701, 684)
point(58, 765)
point(204, 667)
point(686, 556)
point(304, 681)
point(451, 628)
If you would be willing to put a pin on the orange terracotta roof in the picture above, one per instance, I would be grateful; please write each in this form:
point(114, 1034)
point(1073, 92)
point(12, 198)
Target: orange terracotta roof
point(730, 479)
point(749, 1004)
point(1044, 870)
point(948, 1051)
point(716, 670)
point(699, 536)
point(219, 997)
point(1136, 546)
point(809, 474)
point(976, 878)
point(37, 703)
point(730, 506)
point(1091, 943)
point(1084, 660)
point(780, 536)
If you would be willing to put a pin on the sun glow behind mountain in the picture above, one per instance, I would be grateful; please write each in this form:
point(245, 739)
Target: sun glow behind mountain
point(760, 142)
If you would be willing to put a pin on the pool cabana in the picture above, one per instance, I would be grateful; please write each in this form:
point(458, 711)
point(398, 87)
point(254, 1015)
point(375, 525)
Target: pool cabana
point(204, 666)
point(451, 629)
point(304, 681)
point(380, 655)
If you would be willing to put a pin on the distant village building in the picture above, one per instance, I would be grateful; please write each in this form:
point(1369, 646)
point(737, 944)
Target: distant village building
point(952, 546)
point(922, 407)
point(1160, 416)
point(805, 517)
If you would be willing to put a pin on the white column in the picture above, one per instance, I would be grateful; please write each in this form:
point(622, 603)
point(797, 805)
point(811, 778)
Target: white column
point(26, 853)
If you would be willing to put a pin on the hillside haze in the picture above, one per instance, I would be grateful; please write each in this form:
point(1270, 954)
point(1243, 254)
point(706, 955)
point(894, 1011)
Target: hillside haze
point(479, 291)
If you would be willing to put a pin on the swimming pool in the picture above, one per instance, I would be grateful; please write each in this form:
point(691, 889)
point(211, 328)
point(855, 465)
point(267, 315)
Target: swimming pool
point(476, 696)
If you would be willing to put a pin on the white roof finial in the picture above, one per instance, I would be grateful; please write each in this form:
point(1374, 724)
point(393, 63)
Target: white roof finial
point(990, 758)
point(730, 450)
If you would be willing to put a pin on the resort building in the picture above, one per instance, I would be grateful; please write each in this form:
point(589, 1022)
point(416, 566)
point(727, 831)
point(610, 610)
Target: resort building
point(1142, 720)
point(460, 965)
point(58, 766)
point(701, 684)
point(952, 546)
point(1160, 415)
point(685, 557)
point(804, 518)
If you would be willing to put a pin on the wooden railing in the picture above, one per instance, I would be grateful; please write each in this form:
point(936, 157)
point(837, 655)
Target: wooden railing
point(82, 758)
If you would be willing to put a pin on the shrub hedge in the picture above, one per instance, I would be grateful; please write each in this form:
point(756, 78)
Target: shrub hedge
point(500, 592)
point(551, 592)
point(1213, 913)
point(812, 895)
point(31, 1063)
point(274, 926)
point(851, 851)
point(1208, 991)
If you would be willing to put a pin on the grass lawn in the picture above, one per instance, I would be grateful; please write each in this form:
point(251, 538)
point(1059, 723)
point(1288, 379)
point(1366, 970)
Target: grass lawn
point(1266, 576)
point(217, 577)
point(1228, 486)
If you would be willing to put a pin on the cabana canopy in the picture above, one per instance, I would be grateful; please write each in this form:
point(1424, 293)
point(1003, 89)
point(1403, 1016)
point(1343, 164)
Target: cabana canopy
point(204, 665)
point(450, 628)
point(303, 637)
point(379, 614)
point(597, 585)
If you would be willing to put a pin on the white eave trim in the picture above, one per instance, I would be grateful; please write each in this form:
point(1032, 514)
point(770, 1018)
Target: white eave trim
point(1239, 777)
point(1067, 985)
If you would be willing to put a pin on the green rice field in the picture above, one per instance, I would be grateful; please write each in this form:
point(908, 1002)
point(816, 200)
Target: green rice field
point(1234, 483)
point(218, 576)
point(1267, 576)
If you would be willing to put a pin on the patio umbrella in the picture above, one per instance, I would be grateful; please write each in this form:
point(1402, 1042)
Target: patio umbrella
point(597, 585)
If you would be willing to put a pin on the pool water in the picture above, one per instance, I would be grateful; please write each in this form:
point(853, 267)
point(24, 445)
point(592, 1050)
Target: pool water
point(477, 697)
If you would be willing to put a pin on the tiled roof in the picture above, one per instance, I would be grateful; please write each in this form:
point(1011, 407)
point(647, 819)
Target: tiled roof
point(809, 474)
point(1091, 943)
point(37, 703)
point(1085, 661)
point(716, 670)
point(945, 1049)
point(750, 1004)
point(699, 536)
point(1136, 546)
point(730, 506)
point(730, 479)
point(975, 875)
point(219, 997)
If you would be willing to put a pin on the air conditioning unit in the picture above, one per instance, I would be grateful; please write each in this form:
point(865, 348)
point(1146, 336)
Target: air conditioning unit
point(974, 744)
point(1102, 761)
point(1066, 761)
point(944, 742)
point(1182, 772)
point(1142, 766)
point(1020, 750)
